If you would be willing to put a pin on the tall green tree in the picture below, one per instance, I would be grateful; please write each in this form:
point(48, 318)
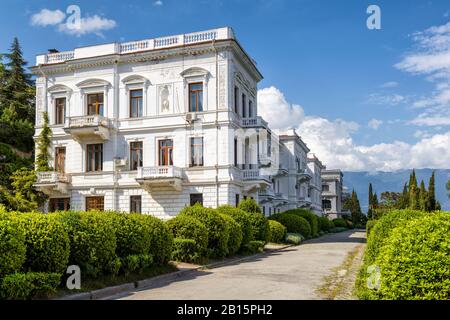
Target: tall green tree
point(43, 149)
point(369, 210)
point(431, 196)
point(448, 187)
point(413, 192)
point(423, 196)
point(403, 201)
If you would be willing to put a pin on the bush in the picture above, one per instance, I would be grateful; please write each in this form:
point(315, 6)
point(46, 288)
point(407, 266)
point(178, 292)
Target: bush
point(235, 234)
point(369, 226)
point(189, 228)
point(47, 243)
point(293, 223)
point(185, 250)
point(92, 242)
point(414, 262)
point(260, 226)
point(339, 223)
point(161, 239)
point(136, 263)
point(254, 246)
point(12, 247)
point(277, 232)
point(310, 217)
point(294, 238)
point(249, 205)
point(22, 286)
point(218, 234)
point(324, 224)
point(241, 217)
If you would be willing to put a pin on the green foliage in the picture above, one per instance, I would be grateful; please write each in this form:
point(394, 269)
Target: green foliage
point(218, 234)
point(92, 242)
point(369, 226)
point(235, 234)
point(254, 246)
point(189, 228)
point(431, 195)
point(324, 224)
point(340, 223)
point(310, 217)
point(23, 286)
point(47, 243)
point(249, 205)
point(293, 223)
point(43, 150)
point(185, 250)
point(260, 226)
point(277, 232)
point(12, 247)
point(136, 263)
point(241, 217)
point(294, 238)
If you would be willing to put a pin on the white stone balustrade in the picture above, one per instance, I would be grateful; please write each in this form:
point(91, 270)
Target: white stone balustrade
point(159, 172)
point(52, 177)
point(87, 121)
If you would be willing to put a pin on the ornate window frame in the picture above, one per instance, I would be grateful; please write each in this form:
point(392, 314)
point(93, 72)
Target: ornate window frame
point(137, 82)
point(55, 92)
point(94, 86)
point(195, 75)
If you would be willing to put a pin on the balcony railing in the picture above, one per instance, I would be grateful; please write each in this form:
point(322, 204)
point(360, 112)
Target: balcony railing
point(159, 172)
point(87, 121)
point(250, 174)
point(51, 177)
point(253, 122)
point(60, 56)
point(267, 193)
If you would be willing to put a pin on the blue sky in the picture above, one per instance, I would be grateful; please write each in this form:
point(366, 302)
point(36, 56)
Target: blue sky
point(366, 92)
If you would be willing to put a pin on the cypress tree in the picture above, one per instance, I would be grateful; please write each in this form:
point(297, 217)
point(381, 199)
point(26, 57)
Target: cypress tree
point(403, 202)
point(413, 192)
point(422, 196)
point(431, 196)
point(43, 155)
point(369, 210)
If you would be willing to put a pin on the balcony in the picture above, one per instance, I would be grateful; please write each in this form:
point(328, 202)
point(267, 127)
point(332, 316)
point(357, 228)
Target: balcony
point(254, 181)
point(266, 195)
point(256, 122)
point(95, 127)
point(304, 202)
point(53, 183)
point(152, 178)
point(304, 175)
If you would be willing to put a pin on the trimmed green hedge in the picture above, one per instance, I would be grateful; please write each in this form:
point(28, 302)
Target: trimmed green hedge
point(294, 238)
point(23, 286)
point(369, 226)
point(12, 247)
point(249, 205)
point(294, 223)
point(189, 228)
point(243, 218)
point(340, 223)
point(161, 239)
point(277, 232)
point(218, 234)
point(310, 217)
point(254, 246)
point(325, 224)
point(185, 250)
point(235, 234)
point(260, 226)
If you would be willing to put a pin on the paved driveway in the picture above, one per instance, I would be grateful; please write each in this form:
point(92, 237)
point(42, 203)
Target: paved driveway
point(293, 273)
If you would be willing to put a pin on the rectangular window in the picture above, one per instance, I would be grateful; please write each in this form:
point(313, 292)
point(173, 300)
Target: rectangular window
point(94, 157)
point(235, 152)
point(59, 204)
point(250, 109)
point(244, 105)
point(237, 200)
point(136, 103)
point(325, 187)
point(95, 203)
point(166, 152)
point(136, 155)
point(95, 104)
point(196, 198)
point(236, 99)
point(196, 97)
point(264, 210)
point(136, 204)
point(60, 107)
point(60, 159)
point(196, 152)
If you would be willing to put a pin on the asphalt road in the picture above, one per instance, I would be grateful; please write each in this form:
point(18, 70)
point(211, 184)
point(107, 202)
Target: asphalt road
point(292, 273)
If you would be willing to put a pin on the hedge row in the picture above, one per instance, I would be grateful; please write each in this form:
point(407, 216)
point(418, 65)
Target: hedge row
point(36, 248)
point(411, 251)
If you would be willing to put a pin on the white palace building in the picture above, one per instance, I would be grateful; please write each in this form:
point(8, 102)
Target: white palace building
point(155, 125)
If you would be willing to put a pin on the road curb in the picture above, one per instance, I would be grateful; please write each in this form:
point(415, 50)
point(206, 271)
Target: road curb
point(108, 292)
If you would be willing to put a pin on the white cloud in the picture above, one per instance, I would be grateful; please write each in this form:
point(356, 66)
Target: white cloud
point(386, 99)
point(390, 84)
point(93, 24)
point(375, 124)
point(47, 17)
point(158, 3)
point(332, 141)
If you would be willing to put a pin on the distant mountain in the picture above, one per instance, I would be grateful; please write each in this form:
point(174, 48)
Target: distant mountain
point(394, 181)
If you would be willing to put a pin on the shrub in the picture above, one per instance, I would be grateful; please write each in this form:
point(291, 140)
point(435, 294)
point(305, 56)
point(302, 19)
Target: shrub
point(339, 223)
point(185, 250)
point(369, 226)
point(277, 231)
point(218, 234)
point(294, 238)
point(254, 246)
point(189, 228)
point(235, 234)
point(12, 247)
point(324, 224)
point(310, 217)
point(249, 205)
point(241, 217)
point(22, 286)
point(293, 223)
point(161, 239)
point(92, 242)
point(260, 226)
point(47, 243)
point(414, 262)
point(136, 263)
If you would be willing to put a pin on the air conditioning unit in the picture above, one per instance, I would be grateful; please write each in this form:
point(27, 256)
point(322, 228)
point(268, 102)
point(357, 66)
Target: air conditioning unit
point(191, 117)
point(120, 162)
